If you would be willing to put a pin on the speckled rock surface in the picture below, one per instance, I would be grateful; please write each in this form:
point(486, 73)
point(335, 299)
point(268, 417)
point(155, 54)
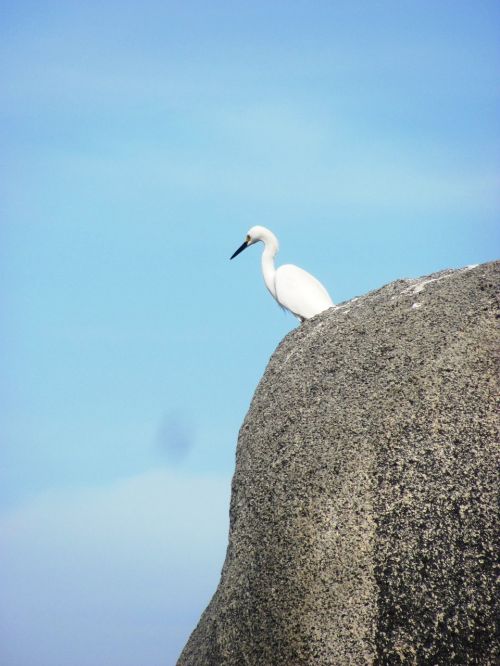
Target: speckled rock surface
point(364, 502)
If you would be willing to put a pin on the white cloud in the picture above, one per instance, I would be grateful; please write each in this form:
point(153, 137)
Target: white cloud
point(110, 575)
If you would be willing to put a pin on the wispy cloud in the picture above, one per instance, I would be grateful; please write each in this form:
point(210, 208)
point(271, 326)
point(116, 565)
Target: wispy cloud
point(275, 155)
point(86, 573)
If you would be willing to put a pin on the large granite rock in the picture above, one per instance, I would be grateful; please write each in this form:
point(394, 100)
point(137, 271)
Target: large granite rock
point(363, 508)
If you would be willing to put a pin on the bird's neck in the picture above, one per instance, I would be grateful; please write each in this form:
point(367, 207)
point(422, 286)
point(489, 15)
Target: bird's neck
point(268, 269)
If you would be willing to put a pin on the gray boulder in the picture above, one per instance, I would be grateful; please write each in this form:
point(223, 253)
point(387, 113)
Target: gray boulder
point(364, 501)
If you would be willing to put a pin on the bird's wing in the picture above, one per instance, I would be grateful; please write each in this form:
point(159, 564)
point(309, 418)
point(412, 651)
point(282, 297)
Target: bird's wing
point(300, 292)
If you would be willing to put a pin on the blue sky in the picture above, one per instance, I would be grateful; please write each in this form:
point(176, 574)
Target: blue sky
point(140, 141)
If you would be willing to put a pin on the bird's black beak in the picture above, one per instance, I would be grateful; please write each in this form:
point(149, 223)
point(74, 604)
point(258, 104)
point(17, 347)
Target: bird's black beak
point(240, 249)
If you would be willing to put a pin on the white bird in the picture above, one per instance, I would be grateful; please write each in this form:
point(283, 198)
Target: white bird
point(292, 287)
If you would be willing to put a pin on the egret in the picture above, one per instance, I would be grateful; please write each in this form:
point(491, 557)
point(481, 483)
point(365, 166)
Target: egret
point(293, 288)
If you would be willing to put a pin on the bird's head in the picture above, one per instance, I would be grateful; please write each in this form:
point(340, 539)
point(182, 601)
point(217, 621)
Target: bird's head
point(254, 235)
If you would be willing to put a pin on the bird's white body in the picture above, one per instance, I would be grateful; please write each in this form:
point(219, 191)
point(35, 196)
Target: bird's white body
point(293, 288)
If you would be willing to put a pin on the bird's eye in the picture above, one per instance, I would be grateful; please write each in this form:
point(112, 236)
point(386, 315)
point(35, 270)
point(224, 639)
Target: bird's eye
point(247, 239)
